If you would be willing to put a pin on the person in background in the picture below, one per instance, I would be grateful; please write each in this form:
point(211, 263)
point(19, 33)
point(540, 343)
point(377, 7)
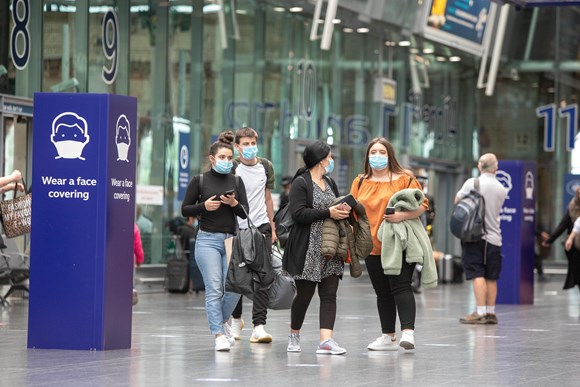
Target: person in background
point(257, 174)
point(572, 252)
point(8, 182)
point(218, 221)
point(482, 260)
point(139, 258)
point(286, 183)
point(311, 198)
point(383, 177)
point(144, 223)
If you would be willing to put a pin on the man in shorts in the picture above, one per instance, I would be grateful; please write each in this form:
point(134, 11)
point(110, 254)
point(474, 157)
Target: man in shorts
point(482, 259)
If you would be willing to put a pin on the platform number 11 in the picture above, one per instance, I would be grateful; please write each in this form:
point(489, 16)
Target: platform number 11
point(549, 114)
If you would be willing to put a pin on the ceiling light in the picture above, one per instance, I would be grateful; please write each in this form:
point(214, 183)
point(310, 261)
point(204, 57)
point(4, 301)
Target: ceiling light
point(414, 50)
point(241, 12)
point(388, 43)
point(362, 30)
point(404, 43)
point(296, 9)
point(454, 59)
point(428, 51)
point(279, 9)
point(441, 59)
point(336, 21)
point(347, 30)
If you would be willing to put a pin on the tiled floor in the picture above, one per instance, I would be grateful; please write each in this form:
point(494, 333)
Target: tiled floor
point(535, 345)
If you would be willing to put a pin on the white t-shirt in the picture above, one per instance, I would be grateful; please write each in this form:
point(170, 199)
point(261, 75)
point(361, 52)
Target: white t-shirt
point(254, 178)
point(494, 194)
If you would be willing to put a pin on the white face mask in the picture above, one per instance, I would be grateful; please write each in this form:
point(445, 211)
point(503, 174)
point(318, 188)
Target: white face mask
point(122, 151)
point(68, 149)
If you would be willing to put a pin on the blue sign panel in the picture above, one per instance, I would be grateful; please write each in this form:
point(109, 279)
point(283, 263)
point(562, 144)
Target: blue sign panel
point(183, 179)
point(518, 214)
point(83, 215)
point(464, 19)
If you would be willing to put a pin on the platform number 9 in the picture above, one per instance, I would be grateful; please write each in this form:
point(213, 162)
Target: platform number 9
point(110, 38)
point(20, 28)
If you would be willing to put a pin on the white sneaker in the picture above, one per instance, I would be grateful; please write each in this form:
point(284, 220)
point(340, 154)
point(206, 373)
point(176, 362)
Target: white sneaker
point(408, 340)
point(222, 344)
point(330, 347)
point(384, 343)
point(259, 335)
point(236, 328)
point(294, 342)
point(228, 334)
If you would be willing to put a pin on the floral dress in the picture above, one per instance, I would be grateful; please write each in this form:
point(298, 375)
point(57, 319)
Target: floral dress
point(316, 267)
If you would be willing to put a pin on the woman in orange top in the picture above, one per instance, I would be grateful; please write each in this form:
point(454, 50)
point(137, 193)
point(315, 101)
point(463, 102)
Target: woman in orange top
point(382, 178)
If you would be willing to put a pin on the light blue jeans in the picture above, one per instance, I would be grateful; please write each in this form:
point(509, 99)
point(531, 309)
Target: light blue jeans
point(210, 255)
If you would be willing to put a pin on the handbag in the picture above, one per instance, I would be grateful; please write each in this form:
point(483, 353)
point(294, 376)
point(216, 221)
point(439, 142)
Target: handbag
point(252, 248)
point(283, 288)
point(16, 213)
point(240, 279)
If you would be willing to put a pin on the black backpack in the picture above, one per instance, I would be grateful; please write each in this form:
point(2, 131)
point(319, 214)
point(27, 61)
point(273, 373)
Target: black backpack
point(283, 222)
point(468, 218)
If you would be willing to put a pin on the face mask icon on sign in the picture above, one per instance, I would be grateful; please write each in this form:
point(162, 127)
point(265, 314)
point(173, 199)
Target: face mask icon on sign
point(122, 138)
point(69, 135)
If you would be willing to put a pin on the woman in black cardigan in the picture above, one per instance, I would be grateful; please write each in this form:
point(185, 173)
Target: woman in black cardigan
point(311, 197)
point(573, 254)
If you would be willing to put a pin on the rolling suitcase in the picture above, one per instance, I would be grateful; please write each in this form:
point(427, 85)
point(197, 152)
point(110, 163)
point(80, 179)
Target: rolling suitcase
point(195, 274)
point(177, 275)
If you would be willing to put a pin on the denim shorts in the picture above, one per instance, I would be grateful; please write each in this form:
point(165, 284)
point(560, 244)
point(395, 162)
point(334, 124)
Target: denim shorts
point(473, 261)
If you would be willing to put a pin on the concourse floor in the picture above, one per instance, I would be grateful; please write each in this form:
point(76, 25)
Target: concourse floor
point(535, 345)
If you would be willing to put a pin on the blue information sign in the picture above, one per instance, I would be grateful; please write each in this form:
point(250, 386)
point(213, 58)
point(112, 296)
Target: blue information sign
point(518, 214)
point(83, 215)
point(184, 141)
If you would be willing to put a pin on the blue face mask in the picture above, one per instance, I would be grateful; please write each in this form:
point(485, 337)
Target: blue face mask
point(378, 162)
point(330, 166)
point(249, 152)
point(223, 166)
point(195, 223)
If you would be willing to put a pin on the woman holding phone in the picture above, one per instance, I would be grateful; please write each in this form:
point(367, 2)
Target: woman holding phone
point(383, 176)
point(311, 197)
point(217, 198)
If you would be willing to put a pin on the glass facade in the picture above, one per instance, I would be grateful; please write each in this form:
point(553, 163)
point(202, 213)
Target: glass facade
point(198, 69)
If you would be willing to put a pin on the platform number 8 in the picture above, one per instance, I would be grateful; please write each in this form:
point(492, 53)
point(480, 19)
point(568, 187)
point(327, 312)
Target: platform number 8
point(20, 28)
point(110, 38)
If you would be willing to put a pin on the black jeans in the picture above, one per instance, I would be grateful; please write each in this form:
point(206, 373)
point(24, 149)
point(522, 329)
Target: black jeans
point(394, 293)
point(261, 295)
point(327, 289)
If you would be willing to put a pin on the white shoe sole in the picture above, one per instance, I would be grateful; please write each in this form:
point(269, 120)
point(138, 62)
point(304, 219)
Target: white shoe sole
point(293, 350)
point(264, 339)
point(389, 348)
point(329, 352)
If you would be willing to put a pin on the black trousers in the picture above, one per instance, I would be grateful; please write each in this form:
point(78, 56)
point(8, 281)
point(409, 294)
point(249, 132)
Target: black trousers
point(394, 293)
point(261, 295)
point(327, 289)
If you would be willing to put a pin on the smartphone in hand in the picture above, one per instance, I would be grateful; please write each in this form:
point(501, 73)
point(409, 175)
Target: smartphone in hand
point(350, 200)
point(229, 192)
point(389, 210)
